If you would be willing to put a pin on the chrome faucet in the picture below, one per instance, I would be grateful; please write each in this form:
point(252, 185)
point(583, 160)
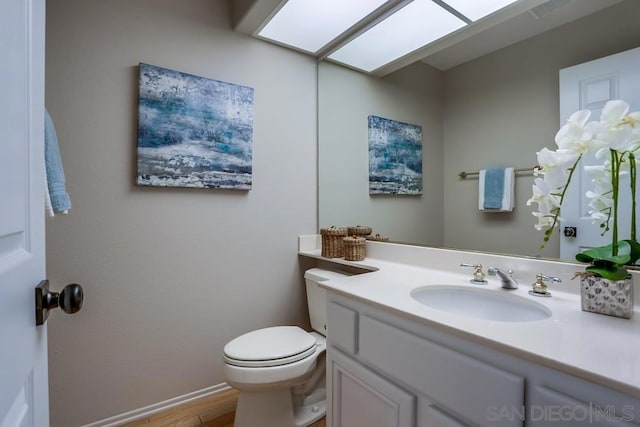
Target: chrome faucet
point(508, 282)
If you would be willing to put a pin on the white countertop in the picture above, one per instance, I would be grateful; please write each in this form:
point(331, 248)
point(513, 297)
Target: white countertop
point(595, 347)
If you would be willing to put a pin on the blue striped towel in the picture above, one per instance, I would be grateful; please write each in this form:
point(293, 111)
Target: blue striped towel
point(60, 201)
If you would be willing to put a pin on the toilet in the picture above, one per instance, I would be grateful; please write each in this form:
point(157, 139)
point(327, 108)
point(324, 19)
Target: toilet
point(280, 371)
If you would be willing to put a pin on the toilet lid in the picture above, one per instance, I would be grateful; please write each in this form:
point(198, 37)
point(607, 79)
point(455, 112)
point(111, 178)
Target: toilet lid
point(275, 346)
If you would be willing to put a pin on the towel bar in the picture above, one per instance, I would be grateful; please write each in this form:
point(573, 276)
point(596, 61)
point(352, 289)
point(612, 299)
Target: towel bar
point(464, 175)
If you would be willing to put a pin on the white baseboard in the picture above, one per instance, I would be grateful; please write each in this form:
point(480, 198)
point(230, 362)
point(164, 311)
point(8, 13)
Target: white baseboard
point(136, 414)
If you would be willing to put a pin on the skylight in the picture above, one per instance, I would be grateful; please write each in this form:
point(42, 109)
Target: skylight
point(320, 26)
point(310, 25)
point(415, 25)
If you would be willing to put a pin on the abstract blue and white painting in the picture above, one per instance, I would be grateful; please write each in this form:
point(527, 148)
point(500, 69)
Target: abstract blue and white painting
point(193, 131)
point(395, 157)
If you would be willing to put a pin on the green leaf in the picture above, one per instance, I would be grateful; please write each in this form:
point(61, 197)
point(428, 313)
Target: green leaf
point(605, 264)
point(634, 252)
point(605, 253)
point(619, 273)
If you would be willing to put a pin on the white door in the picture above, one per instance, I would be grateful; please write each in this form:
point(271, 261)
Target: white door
point(589, 86)
point(23, 352)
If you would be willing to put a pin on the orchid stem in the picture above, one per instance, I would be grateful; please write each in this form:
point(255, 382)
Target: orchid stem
point(564, 191)
point(632, 172)
point(615, 180)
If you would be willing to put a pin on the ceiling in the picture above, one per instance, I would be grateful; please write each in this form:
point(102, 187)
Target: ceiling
point(523, 19)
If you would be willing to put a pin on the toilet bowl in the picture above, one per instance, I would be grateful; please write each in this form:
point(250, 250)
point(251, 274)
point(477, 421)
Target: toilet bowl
point(280, 371)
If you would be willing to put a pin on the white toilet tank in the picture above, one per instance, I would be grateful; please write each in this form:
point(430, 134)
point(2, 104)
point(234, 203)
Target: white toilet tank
point(317, 296)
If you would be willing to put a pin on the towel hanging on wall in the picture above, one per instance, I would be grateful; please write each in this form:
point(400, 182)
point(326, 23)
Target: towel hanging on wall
point(496, 190)
point(56, 199)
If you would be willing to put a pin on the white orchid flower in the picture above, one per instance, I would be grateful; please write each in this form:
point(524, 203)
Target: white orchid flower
point(545, 221)
point(619, 128)
point(633, 120)
point(556, 178)
point(555, 166)
point(544, 194)
point(601, 177)
point(616, 137)
point(600, 200)
point(601, 205)
point(577, 136)
point(559, 158)
point(547, 215)
point(548, 200)
point(579, 118)
point(613, 139)
point(598, 217)
point(614, 112)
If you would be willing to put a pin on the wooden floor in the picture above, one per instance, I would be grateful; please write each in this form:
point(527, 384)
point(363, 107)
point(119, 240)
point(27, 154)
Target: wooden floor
point(213, 411)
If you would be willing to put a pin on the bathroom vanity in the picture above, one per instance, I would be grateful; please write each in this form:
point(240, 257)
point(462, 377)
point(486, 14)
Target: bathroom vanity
point(394, 361)
point(386, 370)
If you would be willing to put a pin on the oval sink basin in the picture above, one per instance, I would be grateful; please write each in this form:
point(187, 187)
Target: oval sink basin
point(481, 303)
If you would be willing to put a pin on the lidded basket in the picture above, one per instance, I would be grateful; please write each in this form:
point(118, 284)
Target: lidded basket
point(332, 241)
point(359, 230)
point(377, 238)
point(354, 248)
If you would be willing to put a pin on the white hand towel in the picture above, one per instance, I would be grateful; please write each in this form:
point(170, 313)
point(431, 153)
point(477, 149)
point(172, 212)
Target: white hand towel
point(508, 195)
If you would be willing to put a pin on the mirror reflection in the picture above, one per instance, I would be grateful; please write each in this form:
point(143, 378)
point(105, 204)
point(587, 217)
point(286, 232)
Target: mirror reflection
point(495, 110)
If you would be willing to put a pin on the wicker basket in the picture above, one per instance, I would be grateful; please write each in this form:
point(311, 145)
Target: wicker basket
point(332, 241)
point(378, 238)
point(354, 248)
point(359, 230)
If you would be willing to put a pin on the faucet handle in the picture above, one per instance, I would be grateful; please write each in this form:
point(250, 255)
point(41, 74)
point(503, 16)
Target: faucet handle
point(554, 279)
point(539, 288)
point(478, 274)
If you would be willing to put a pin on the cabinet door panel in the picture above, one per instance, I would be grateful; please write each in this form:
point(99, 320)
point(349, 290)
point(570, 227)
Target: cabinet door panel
point(362, 398)
point(437, 417)
point(472, 389)
point(342, 327)
point(550, 408)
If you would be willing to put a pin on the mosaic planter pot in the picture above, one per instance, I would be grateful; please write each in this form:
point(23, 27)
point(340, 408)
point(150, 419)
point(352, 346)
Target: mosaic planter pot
point(604, 296)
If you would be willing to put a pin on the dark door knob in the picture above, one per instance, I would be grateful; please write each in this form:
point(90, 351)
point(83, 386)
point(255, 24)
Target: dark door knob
point(570, 232)
point(69, 300)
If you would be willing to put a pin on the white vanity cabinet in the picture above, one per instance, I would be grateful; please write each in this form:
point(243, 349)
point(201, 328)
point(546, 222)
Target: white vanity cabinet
point(380, 374)
point(387, 370)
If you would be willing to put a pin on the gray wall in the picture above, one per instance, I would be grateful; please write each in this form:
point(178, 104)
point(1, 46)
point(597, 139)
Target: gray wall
point(501, 109)
point(345, 99)
point(170, 275)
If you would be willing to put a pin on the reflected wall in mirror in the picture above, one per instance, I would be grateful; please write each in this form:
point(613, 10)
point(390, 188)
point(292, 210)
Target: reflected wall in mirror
point(499, 109)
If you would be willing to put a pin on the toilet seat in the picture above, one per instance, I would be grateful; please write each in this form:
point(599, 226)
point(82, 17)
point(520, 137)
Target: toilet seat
point(268, 347)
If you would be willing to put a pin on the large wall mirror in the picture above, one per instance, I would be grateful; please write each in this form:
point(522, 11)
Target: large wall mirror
point(497, 109)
